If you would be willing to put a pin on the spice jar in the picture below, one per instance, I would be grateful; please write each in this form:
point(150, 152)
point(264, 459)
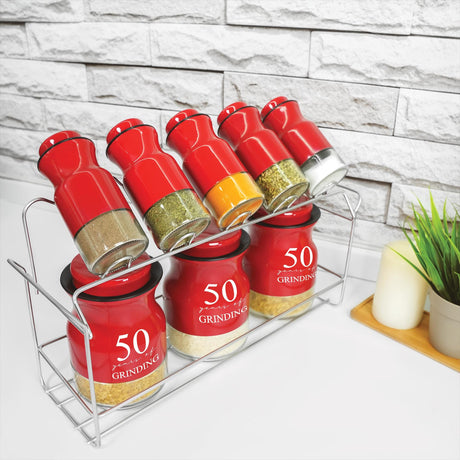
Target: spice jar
point(228, 191)
point(206, 296)
point(153, 178)
point(128, 346)
point(281, 262)
point(318, 160)
point(268, 161)
point(97, 214)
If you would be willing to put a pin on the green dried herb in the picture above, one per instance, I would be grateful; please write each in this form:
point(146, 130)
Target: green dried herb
point(280, 182)
point(174, 217)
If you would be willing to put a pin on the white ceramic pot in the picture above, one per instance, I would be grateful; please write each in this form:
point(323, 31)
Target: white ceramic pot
point(444, 325)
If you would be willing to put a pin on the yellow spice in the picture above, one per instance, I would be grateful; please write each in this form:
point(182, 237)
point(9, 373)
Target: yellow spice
point(234, 199)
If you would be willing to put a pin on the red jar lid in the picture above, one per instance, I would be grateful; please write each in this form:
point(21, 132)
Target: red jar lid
point(123, 126)
point(216, 248)
point(272, 104)
point(291, 217)
point(116, 287)
point(232, 108)
point(179, 117)
point(56, 139)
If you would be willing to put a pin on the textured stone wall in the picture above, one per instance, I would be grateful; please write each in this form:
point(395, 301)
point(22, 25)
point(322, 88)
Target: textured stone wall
point(381, 79)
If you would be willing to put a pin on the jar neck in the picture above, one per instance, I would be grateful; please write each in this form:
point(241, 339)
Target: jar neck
point(240, 124)
point(283, 117)
point(133, 145)
point(191, 133)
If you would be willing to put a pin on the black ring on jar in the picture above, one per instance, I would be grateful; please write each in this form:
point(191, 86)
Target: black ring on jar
point(156, 272)
point(179, 122)
point(57, 143)
point(245, 241)
point(314, 217)
point(276, 106)
point(123, 132)
point(230, 114)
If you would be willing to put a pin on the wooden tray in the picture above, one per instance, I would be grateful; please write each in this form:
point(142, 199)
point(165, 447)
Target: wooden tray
point(416, 338)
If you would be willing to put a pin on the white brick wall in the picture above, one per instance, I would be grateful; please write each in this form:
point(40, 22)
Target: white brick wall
point(381, 79)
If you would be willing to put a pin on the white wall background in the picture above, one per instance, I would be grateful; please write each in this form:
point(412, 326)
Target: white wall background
point(381, 79)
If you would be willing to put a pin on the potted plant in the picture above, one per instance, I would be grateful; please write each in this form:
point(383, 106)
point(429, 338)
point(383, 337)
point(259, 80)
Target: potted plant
point(437, 247)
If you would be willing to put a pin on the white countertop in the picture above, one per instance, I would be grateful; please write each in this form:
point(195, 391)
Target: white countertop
point(325, 387)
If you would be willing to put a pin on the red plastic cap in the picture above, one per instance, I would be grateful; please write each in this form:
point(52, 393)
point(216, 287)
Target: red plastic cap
point(116, 287)
point(180, 116)
point(216, 248)
point(272, 104)
point(122, 126)
point(55, 139)
point(229, 110)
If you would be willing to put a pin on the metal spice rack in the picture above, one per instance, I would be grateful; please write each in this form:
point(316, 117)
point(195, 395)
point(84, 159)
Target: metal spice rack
point(55, 373)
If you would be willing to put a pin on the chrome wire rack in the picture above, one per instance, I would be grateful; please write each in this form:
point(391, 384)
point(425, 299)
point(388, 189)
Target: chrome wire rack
point(55, 373)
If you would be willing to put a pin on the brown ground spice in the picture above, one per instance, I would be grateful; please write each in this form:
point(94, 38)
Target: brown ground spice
point(109, 237)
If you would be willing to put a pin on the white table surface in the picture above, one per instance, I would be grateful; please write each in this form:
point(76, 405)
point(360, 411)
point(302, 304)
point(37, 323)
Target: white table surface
point(325, 387)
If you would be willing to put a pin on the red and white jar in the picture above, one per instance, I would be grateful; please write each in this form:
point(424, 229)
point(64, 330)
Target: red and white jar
point(282, 261)
point(128, 346)
point(207, 297)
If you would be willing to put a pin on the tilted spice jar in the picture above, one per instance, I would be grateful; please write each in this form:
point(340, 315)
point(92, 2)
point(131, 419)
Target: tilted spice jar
point(128, 346)
point(97, 214)
point(228, 191)
point(206, 296)
point(268, 161)
point(281, 262)
point(318, 160)
point(158, 186)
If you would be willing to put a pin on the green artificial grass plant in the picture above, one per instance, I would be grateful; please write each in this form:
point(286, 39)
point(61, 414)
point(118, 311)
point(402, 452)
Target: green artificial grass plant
point(437, 249)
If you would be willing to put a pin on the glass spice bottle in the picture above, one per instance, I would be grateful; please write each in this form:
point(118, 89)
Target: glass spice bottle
point(164, 196)
point(228, 191)
point(318, 160)
point(265, 157)
point(214, 309)
point(128, 347)
point(97, 214)
point(281, 262)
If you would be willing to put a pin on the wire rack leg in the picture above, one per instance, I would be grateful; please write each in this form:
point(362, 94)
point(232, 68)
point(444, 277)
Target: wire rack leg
point(353, 210)
point(34, 333)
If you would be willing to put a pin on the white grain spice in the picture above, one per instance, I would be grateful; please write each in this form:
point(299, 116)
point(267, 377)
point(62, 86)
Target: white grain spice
point(197, 345)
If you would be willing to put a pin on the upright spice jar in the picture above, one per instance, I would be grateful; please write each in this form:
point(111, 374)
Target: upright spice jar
point(97, 214)
point(318, 160)
point(229, 191)
point(265, 157)
point(160, 189)
point(281, 262)
point(128, 346)
point(206, 296)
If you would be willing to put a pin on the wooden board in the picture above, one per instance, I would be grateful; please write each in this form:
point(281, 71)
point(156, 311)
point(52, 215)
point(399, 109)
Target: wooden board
point(416, 338)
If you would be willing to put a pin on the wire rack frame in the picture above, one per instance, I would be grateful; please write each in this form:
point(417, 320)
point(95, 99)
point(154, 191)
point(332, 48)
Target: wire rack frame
point(94, 421)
